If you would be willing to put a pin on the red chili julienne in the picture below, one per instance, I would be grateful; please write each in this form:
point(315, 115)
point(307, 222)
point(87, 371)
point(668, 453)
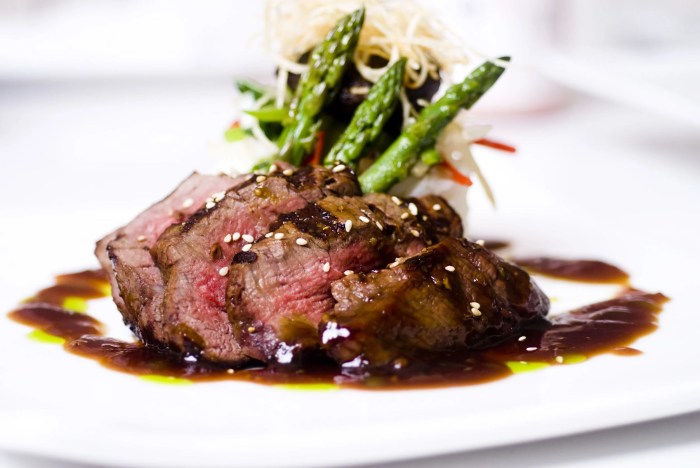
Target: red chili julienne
point(315, 158)
point(495, 145)
point(457, 176)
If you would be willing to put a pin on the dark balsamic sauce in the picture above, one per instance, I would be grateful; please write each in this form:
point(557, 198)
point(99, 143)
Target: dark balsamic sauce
point(604, 327)
point(587, 271)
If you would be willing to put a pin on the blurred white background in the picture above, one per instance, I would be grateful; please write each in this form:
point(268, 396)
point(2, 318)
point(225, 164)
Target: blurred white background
point(644, 53)
point(106, 104)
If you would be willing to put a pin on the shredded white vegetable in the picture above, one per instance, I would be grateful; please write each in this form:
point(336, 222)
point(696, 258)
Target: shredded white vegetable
point(455, 143)
point(392, 29)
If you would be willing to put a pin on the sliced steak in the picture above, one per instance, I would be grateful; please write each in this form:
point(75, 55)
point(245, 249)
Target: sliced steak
point(418, 222)
point(455, 295)
point(195, 256)
point(280, 289)
point(137, 285)
point(443, 219)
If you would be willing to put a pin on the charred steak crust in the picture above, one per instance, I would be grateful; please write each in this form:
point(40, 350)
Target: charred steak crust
point(136, 282)
point(276, 301)
point(268, 267)
point(440, 216)
point(277, 296)
point(416, 221)
point(456, 295)
point(194, 256)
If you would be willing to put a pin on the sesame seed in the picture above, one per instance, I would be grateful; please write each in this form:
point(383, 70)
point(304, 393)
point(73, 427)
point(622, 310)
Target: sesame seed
point(230, 371)
point(141, 238)
point(279, 235)
point(450, 268)
point(415, 233)
point(348, 272)
point(559, 359)
point(268, 235)
point(260, 178)
point(476, 312)
point(210, 205)
point(399, 363)
point(522, 338)
point(273, 168)
point(257, 192)
point(287, 172)
point(247, 238)
point(437, 207)
point(476, 305)
point(396, 200)
point(247, 247)
point(413, 209)
point(251, 329)
point(227, 238)
point(404, 215)
point(531, 348)
point(223, 271)
point(236, 236)
point(364, 219)
point(339, 168)
point(480, 242)
point(187, 203)
point(217, 197)
point(326, 267)
point(348, 225)
point(425, 217)
point(302, 241)
point(393, 264)
point(379, 225)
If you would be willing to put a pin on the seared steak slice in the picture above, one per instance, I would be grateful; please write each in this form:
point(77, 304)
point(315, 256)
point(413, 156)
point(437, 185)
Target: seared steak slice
point(194, 256)
point(455, 295)
point(280, 289)
point(441, 217)
point(416, 220)
point(137, 285)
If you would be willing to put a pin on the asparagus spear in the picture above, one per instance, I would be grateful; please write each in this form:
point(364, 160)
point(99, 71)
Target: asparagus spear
point(394, 164)
point(370, 117)
point(249, 87)
point(319, 85)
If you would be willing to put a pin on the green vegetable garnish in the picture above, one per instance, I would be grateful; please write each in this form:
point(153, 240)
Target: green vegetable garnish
point(248, 87)
point(235, 134)
point(318, 85)
point(431, 157)
point(394, 165)
point(270, 114)
point(369, 118)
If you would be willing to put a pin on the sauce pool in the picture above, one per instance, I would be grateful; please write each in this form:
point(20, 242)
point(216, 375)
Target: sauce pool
point(587, 271)
point(605, 327)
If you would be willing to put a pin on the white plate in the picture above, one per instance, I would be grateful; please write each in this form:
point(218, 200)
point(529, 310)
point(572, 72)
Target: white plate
point(591, 181)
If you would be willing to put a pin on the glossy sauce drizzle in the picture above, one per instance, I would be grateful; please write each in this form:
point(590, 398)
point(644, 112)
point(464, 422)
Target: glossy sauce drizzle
point(605, 327)
point(587, 271)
